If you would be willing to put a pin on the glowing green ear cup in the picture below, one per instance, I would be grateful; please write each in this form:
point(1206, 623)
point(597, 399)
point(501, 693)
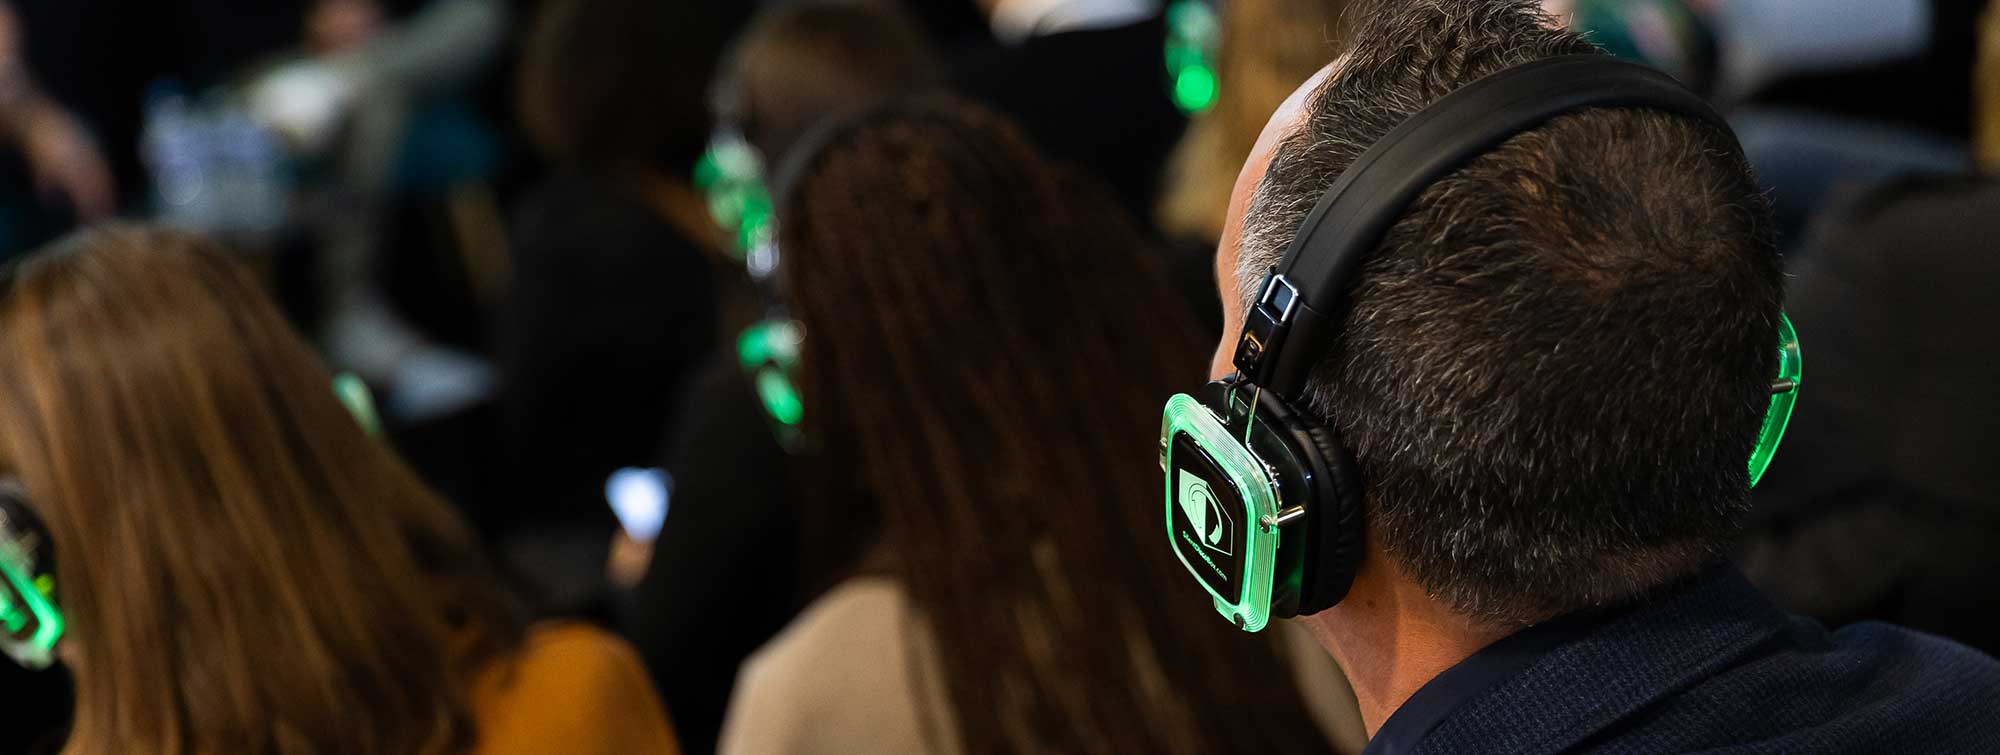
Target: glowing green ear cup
point(1193, 35)
point(1246, 599)
point(1784, 392)
point(24, 596)
point(768, 350)
point(730, 174)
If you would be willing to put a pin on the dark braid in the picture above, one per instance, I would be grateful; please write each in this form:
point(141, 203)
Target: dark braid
point(989, 343)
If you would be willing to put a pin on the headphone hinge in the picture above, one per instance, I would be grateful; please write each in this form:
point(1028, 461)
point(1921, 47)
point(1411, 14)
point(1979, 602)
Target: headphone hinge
point(1265, 327)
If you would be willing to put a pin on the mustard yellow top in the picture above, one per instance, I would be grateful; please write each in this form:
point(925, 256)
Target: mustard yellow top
point(573, 689)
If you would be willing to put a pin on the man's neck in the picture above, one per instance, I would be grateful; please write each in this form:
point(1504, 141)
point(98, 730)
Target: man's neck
point(1391, 639)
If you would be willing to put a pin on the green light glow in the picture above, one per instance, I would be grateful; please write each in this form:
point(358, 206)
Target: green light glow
point(779, 397)
point(730, 176)
point(773, 340)
point(756, 218)
point(1194, 35)
point(1194, 89)
point(707, 170)
point(11, 616)
point(769, 351)
point(1791, 370)
point(753, 347)
point(38, 649)
point(1185, 415)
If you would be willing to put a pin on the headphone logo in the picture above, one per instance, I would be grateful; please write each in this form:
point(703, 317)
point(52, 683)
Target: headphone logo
point(1217, 528)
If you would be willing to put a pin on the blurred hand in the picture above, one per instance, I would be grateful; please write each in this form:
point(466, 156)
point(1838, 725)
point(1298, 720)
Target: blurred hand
point(629, 561)
point(64, 160)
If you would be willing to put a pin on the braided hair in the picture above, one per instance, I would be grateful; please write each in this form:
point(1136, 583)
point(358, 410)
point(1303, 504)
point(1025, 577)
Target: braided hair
point(989, 342)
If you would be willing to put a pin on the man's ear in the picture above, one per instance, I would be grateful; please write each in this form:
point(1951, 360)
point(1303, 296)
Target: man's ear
point(1285, 120)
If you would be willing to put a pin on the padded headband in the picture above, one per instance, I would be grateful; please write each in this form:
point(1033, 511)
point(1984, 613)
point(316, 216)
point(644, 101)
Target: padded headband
point(1313, 282)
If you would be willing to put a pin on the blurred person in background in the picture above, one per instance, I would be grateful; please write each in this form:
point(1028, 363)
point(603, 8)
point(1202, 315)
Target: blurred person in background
point(243, 569)
point(66, 177)
point(98, 58)
point(1087, 81)
point(1828, 97)
point(358, 97)
point(1884, 504)
point(961, 299)
point(730, 459)
point(1267, 48)
point(1833, 97)
point(801, 61)
point(619, 271)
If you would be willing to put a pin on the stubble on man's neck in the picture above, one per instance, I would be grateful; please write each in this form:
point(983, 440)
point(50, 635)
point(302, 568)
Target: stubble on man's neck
point(1391, 638)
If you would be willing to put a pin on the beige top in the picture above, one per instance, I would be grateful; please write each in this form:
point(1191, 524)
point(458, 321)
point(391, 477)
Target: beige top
point(838, 680)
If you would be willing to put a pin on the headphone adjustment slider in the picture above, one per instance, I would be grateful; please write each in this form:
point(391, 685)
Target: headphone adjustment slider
point(1264, 327)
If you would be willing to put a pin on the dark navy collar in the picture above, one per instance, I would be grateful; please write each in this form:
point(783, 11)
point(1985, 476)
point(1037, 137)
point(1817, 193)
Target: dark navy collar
point(1482, 671)
point(1501, 662)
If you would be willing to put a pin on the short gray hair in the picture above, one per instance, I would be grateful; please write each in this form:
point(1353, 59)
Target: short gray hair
point(1557, 361)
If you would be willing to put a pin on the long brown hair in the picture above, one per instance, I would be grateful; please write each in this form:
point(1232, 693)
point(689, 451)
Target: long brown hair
point(243, 569)
point(988, 345)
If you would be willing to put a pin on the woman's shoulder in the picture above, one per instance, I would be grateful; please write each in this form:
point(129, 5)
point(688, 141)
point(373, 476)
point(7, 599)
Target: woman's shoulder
point(574, 647)
point(847, 638)
point(573, 688)
point(854, 672)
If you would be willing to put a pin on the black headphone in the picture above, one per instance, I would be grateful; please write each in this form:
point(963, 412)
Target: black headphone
point(1264, 504)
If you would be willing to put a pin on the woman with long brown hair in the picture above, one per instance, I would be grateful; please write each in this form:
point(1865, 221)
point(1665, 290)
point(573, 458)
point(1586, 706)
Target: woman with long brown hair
point(987, 345)
point(241, 567)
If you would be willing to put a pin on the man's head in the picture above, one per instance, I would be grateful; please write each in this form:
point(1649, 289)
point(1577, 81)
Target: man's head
point(1557, 360)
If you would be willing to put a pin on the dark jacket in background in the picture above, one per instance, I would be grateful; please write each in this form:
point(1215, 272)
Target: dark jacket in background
point(725, 570)
point(612, 310)
point(1706, 666)
point(1097, 98)
point(1884, 501)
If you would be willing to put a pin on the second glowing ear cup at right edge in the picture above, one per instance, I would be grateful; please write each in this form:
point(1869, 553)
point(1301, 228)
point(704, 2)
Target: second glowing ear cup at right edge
point(1784, 393)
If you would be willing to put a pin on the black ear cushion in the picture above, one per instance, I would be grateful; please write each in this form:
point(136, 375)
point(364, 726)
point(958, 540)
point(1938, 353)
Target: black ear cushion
point(1337, 528)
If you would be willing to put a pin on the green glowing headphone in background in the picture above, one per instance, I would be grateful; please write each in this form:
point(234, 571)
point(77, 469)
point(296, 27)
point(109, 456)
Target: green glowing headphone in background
point(768, 351)
point(30, 622)
point(730, 174)
point(1194, 38)
point(31, 619)
point(1263, 502)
